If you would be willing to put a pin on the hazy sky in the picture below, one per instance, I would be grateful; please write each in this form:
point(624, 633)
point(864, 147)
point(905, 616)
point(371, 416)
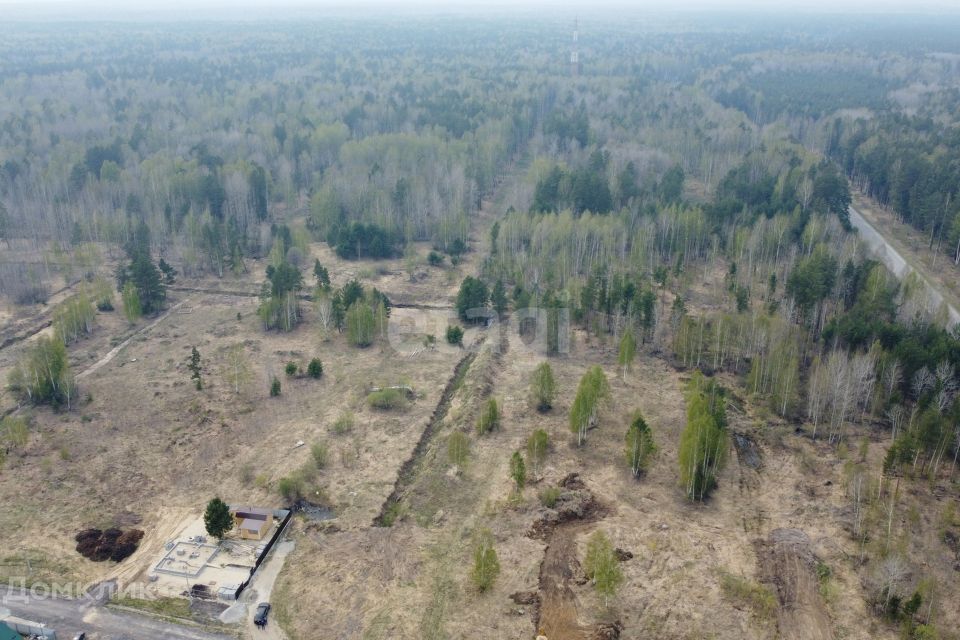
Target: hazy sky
point(127, 6)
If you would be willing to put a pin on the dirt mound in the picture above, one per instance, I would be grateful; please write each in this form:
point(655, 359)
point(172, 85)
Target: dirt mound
point(788, 564)
point(112, 544)
point(608, 631)
point(575, 504)
point(748, 451)
point(525, 597)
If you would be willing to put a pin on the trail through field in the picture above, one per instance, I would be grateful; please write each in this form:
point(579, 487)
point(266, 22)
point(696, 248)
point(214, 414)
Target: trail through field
point(120, 347)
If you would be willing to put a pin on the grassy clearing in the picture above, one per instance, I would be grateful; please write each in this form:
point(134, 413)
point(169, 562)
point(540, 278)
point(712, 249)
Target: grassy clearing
point(168, 607)
point(748, 593)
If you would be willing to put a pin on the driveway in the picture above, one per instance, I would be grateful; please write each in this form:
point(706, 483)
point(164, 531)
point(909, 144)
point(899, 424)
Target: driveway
point(259, 591)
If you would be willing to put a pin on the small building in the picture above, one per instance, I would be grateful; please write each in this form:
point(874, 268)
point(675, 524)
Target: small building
point(252, 523)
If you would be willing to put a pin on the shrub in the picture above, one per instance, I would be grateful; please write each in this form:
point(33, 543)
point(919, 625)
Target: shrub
point(549, 496)
point(320, 454)
point(274, 387)
point(489, 417)
point(518, 470)
point(537, 445)
point(291, 369)
point(455, 335)
point(291, 488)
point(343, 424)
point(602, 565)
point(315, 368)
point(361, 324)
point(458, 448)
point(543, 387)
point(756, 596)
point(486, 565)
point(14, 431)
point(435, 259)
point(387, 399)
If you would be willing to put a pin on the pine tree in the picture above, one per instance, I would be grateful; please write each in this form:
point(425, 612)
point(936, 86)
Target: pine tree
point(321, 274)
point(150, 288)
point(217, 518)
point(518, 470)
point(471, 299)
point(499, 298)
point(639, 447)
point(195, 368)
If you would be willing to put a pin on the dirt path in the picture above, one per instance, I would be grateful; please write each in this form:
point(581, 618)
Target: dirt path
point(120, 347)
point(576, 512)
point(894, 244)
point(558, 606)
point(788, 564)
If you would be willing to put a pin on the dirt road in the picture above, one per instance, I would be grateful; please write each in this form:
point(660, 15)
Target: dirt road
point(897, 257)
point(120, 347)
point(69, 616)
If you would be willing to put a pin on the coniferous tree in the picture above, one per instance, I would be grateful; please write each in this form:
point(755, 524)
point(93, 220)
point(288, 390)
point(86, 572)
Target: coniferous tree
point(498, 297)
point(195, 368)
point(472, 299)
point(639, 446)
point(518, 470)
point(217, 518)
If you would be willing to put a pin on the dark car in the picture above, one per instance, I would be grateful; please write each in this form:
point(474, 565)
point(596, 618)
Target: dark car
point(260, 617)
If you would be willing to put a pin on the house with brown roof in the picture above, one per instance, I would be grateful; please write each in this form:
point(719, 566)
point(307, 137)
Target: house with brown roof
point(252, 523)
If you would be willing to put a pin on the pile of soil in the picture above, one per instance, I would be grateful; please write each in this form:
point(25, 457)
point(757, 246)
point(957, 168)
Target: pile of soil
point(111, 544)
point(575, 503)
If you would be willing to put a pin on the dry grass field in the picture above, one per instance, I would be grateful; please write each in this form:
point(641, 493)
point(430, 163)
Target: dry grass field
point(144, 447)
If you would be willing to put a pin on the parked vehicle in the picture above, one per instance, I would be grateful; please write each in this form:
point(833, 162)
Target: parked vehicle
point(260, 617)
